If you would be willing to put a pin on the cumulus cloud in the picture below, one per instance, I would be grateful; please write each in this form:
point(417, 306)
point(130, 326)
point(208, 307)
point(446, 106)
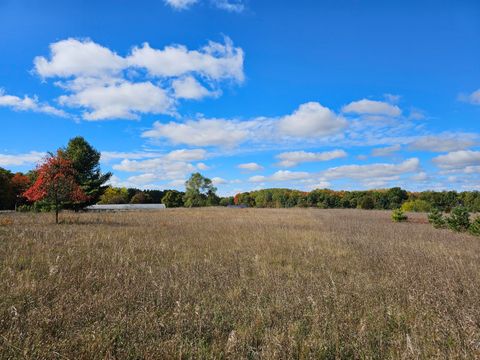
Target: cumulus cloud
point(281, 175)
point(123, 101)
point(28, 104)
point(421, 176)
point(293, 158)
point(444, 142)
point(372, 171)
point(311, 120)
point(186, 155)
point(72, 57)
point(218, 181)
point(30, 158)
point(460, 160)
point(251, 166)
point(202, 132)
point(385, 151)
point(214, 61)
point(189, 88)
point(174, 165)
point(106, 85)
point(372, 107)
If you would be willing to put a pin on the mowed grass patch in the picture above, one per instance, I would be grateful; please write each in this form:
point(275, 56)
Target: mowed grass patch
point(237, 283)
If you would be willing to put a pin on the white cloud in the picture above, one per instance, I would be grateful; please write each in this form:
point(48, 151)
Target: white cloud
point(214, 61)
point(218, 181)
point(392, 98)
point(202, 166)
point(189, 88)
point(371, 107)
point(385, 151)
point(472, 98)
point(311, 120)
point(252, 166)
point(180, 4)
point(28, 104)
point(72, 57)
point(319, 185)
point(123, 101)
point(372, 171)
point(30, 158)
point(281, 175)
point(421, 176)
point(106, 85)
point(458, 159)
point(202, 132)
point(293, 158)
point(444, 142)
point(227, 5)
point(172, 166)
point(107, 156)
point(186, 155)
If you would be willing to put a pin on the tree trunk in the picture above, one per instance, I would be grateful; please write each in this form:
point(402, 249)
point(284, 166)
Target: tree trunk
point(56, 209)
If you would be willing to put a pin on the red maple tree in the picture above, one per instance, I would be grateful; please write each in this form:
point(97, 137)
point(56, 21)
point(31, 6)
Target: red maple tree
point(56, 182)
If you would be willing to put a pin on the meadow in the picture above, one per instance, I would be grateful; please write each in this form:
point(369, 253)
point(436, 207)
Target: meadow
point(215, 283)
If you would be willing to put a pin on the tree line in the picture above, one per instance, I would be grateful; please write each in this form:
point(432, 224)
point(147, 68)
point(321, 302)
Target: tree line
point(383, 199)
point(71, 178)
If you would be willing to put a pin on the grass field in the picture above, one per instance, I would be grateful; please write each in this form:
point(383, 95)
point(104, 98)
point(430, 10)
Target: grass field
point(237, 283)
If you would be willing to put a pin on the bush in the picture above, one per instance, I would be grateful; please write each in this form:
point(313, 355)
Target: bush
point(399, 216)
point(474, 228)
point(24, 208)
point(435, 218)
point(459, 219)
point(416, 206)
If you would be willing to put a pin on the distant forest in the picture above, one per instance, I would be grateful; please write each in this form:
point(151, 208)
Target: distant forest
point(81, 161)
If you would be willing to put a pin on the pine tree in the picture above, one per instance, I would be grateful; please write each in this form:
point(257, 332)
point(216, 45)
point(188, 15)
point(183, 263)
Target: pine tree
point(436, 218)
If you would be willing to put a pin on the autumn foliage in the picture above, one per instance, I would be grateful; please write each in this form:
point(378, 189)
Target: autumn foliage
point(56, 182)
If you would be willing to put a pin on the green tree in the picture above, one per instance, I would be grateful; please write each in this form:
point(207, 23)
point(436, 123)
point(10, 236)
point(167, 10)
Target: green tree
point(86, 162)
point(459, 219)
point(367, 203)
point(398, 215)
point(474, 228)
point(140, 198)
point(436, 218)
point(417, 205)
point(7, 194)
point(114, 195)
point(173, 198)
point(198, 189)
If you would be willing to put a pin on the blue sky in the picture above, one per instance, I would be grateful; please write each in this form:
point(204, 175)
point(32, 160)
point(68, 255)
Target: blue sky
point(254, 94)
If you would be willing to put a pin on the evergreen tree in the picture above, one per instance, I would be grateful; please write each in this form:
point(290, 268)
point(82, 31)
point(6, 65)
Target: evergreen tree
point(86, 162)
point(436, 218)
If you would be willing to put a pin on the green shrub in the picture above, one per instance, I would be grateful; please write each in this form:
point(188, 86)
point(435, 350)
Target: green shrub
point(459, 219)
point(24, 208)
point(436, 218)
point(416, 206)
point(399, 216)
point(474, 228)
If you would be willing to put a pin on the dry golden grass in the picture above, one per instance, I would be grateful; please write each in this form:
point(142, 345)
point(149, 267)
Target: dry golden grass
point(237, 283)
